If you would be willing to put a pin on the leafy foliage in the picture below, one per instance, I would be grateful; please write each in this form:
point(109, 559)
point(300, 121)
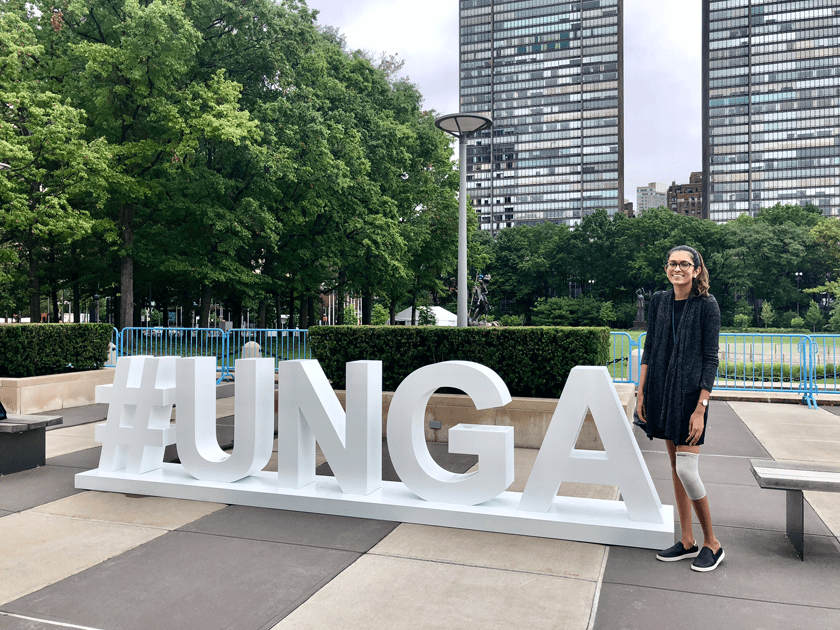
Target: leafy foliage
point(52, 348)
point(533, 361)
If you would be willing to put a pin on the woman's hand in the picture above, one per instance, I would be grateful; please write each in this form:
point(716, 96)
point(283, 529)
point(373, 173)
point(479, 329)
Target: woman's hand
point(640, 407)
point(695, 427)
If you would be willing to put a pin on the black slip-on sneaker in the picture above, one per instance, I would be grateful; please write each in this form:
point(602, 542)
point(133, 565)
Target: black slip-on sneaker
point(707, 560)
point(678, 552)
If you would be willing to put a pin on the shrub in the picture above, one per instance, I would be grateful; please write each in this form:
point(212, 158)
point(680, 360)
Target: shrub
point(37, 349)
point(511, 320)
point(380, 315)
point(742, 320)
point(349, 315)
point(532, 361)
point(426, 316)
point(797, 322)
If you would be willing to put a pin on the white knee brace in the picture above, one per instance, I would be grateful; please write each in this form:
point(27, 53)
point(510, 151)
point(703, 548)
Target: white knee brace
point(687, 472)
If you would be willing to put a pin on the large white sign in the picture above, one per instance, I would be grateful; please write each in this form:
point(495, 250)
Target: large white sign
point(138, 430)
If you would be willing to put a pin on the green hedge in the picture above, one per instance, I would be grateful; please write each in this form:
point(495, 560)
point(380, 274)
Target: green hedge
point(37, 349)
point(532, 361)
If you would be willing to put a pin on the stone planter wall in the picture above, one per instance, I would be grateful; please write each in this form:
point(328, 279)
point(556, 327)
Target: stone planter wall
point(530, 417)
point(35, 394)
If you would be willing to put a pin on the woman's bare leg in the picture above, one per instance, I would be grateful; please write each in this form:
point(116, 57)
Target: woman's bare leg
point(701, 506)
point(683, 502)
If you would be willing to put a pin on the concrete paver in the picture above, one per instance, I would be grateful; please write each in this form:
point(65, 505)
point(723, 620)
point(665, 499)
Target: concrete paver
point(299, 528)
point(759, 565)
point(185, 580)
point(87, 458)
point(827, 507)
point(495, 551)
point(24, 490)
point(113, 507)
point(249, 568)
point(379, 592)
point(793, 431)
point(622, 607)
point(41, 549)
point(744, 506)
point(63, 444)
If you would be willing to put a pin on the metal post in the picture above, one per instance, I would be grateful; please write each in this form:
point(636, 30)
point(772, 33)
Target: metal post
point(462, 234)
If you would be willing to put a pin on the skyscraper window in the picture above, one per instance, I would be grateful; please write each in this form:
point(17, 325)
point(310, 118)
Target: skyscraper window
point(549, 74)
point(771, 105)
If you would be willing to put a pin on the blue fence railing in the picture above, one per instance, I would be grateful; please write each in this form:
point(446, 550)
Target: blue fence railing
point(794, 363)
point(226, 346)
point(806, 365)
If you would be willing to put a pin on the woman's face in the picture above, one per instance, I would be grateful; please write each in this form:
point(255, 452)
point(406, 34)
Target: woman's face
point(678, 276)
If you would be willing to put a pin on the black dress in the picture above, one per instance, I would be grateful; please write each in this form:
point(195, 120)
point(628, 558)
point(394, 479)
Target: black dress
point(681, 354)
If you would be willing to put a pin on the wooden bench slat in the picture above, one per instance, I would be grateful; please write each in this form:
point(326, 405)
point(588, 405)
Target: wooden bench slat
point(796, 475)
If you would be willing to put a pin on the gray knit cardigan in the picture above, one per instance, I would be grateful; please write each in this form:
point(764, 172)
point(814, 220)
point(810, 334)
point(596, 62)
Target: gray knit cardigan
point(692, 366)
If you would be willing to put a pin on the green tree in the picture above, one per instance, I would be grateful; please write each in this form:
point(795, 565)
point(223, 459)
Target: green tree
point(814, 318)
point(380, 315)
point(51, 175)
point(768, 315)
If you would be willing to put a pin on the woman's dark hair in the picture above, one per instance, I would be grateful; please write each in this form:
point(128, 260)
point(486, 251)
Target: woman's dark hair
point(700, 285)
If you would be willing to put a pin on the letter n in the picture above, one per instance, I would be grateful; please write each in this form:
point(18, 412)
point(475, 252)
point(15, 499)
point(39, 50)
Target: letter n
point(308, 410)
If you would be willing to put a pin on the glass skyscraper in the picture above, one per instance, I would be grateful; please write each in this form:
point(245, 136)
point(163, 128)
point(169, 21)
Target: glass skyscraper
point(550, 76)
point(771, 105)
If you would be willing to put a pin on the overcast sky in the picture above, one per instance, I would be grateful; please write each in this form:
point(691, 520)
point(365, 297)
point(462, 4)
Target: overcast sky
point(662, 39)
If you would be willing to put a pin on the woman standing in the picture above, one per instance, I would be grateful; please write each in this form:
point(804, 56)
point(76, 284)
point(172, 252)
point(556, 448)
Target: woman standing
point(679, 365)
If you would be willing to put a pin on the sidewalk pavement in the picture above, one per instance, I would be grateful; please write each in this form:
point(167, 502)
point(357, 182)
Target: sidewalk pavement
point(78, 559)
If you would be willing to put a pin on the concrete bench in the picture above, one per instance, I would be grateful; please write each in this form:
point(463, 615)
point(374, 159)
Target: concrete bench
point(794, 477)
point(23, 442)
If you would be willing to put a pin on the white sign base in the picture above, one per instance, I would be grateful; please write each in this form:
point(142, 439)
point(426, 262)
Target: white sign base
point(570, 518)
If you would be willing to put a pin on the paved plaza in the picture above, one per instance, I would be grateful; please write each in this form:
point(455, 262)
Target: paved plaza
point(107, 561)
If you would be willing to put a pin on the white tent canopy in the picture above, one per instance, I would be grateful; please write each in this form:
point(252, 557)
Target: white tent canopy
point(443, 317)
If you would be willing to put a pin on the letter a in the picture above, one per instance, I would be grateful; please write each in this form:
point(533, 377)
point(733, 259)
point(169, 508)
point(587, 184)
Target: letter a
point(620, 464)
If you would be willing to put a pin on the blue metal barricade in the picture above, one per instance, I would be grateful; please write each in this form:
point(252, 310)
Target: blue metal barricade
point(179, 342)
point(625, 360)
point(794, 363)
point(279, 344)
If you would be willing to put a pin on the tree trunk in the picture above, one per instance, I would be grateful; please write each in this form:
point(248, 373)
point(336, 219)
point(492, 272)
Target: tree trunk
point(263, 307)
point(393, 309)
point(314, 313)
point(340, 298)
point(77, 300)
point(127, 268)
point(304, 314)
point(204, 317)
point(278, 320)
point(291, 322)
point(236, 313)
point(115, 307)
point(56, 316)
point(34, 290)
point(367, 308)
point(165, 311)
point(414, 310)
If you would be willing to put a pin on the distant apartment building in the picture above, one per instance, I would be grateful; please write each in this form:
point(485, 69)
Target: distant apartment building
point(687, 199)
point(627, 208)
point(549, 74)
point(771, 105)
point(653, 195)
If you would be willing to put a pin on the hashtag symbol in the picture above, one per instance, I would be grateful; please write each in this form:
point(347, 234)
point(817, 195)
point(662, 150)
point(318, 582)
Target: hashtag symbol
point(138, 427)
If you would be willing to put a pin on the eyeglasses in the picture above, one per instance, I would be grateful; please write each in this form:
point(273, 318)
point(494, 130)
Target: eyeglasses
point(683, 264)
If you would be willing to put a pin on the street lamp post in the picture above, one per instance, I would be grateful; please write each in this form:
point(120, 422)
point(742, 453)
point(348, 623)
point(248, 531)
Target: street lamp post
point(462, 126)
point(798, 275)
